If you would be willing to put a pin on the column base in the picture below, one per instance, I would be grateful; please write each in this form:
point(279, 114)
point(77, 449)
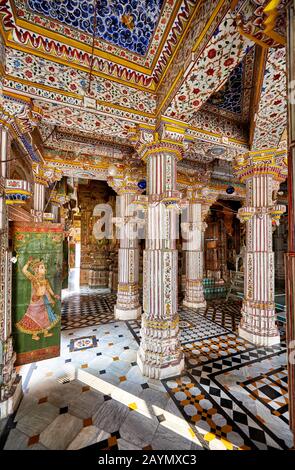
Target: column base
point(259, 340)
point(186, 303)
point(132, 314)
point(9, 405)
point(157, 372)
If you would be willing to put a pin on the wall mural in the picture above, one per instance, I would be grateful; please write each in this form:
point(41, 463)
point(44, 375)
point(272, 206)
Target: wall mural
point(37, 282)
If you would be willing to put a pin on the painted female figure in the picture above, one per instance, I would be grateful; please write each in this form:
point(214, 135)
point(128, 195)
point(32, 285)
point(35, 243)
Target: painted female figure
point(40, 316)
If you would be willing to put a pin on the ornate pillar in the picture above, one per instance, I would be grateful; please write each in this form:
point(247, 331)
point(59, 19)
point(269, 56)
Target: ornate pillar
point(290, 258)
point(194, 228)
point(262, 173)
point(10, 383)
point(127, 306)
point(160, 355)
point(40, 184)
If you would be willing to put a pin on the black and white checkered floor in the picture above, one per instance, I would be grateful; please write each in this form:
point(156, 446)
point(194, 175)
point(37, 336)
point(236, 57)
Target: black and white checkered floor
point(87, 307)
point(232, 395)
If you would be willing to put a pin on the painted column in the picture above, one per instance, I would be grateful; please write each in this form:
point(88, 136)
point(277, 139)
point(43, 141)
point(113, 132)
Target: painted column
point(128, 306)
point(290, 258)
point(160, 355)
point(193, 245)
point(39, 199)
point(262, 173)
point(10, 383)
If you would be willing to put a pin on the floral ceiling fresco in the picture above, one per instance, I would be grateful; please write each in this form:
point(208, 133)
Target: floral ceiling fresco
point(129, 25)
point(109, 58)
point(229, 97)
point(224, 52)
point(81, 120)
point(233, 99)
point(57, 76)
point(271, 119)
point(193, 65)
point(62, 138)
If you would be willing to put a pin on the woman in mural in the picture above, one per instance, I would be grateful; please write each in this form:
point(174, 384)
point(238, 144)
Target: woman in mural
point(40, 316)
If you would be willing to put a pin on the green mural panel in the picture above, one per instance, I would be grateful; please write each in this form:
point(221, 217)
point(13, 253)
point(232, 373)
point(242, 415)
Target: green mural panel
point(36, 290)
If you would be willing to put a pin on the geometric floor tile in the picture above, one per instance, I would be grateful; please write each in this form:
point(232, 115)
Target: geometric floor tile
point(232, 394)
point(217, 429)
point(87, 308)
point(271, 389)
point(213, 348)
point(225, 313)
point(82, 343)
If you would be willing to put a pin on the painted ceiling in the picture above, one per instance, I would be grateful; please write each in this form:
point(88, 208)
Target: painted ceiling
point(229, 97)
point(134, 40)
point(225, 50)
point(179, 60)
point(129, 25)
point(62, 140)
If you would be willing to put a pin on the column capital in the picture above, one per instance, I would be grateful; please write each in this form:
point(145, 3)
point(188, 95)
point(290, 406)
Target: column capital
point(199, 194)
point(127, 183)
point(165, 137)
point(45, 175)
point(275, 211)
point(271, 162)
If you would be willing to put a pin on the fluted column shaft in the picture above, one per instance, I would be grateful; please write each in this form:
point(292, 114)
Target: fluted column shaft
point(160, 355)
point(262, 174)
point(128, 306)
point(194, 260)
point(290, 257)
point(10, 384)
point(39, 201)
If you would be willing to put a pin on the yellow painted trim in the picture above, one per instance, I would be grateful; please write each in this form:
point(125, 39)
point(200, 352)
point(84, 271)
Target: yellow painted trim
point(8, 125)
point(174, 122)
point(271, 10)
point(18, 191)
point(172, 128)
point(14, 202)
point(211, 19)
point(276, 37)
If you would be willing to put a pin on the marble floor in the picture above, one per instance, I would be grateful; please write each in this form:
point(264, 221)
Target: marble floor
point(232, 395)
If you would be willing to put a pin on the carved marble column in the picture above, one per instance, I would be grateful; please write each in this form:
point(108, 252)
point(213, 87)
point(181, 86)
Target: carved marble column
point(127, 306)
point(39, 198)
point(160, 355)
point(193, 245)
point(10, 383)
point(262, 173)
point(290, 258)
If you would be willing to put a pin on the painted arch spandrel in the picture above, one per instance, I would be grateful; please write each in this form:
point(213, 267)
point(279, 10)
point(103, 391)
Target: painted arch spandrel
point(37, 283)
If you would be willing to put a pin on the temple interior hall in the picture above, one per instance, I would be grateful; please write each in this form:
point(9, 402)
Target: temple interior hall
point(147, 225)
